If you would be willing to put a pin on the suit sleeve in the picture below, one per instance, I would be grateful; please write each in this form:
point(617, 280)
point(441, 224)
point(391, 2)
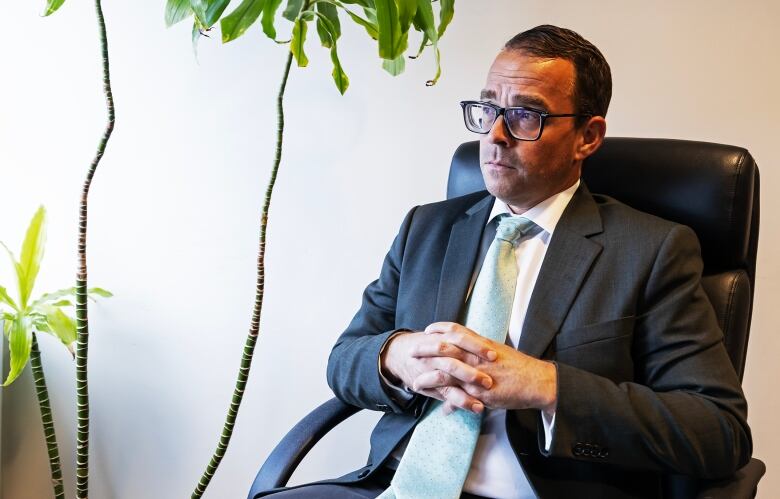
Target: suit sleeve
point(684, 411)
point(353, 372)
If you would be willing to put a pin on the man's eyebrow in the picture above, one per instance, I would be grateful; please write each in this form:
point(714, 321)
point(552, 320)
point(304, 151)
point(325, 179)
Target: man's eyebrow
point(529, 101)
point(487, 95)
point(517, 100)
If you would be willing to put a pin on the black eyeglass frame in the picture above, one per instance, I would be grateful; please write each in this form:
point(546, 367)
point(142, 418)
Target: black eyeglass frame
point(502, 110)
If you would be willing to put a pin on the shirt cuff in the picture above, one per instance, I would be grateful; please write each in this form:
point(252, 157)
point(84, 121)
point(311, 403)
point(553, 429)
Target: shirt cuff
point(400, 395)
point(549, 426)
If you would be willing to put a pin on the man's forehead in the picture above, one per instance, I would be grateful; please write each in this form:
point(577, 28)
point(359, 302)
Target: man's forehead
point(520, 79)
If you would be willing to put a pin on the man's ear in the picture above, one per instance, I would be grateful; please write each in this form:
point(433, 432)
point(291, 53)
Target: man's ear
point(591, 137)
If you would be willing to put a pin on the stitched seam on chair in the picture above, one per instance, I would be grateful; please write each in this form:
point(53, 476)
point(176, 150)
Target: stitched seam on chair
point(731, 217)
point(729, 306)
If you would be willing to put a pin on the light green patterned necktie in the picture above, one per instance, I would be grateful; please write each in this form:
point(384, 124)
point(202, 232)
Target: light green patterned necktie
point(438, 456)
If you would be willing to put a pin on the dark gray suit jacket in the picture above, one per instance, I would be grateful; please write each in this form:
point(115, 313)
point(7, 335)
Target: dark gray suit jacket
point(645, 386)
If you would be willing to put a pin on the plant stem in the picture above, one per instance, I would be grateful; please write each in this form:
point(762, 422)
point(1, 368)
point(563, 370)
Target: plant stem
point(254, 328)
point(47, 419)
point(82, 322)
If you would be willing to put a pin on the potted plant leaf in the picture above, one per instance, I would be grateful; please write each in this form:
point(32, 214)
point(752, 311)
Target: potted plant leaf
point(24, 318)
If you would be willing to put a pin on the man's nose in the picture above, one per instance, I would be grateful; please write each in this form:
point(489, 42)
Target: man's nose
point(498, 133)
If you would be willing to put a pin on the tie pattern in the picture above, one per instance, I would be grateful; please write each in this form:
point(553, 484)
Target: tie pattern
point(438, 456)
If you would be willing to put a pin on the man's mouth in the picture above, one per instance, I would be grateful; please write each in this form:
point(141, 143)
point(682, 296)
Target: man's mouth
point(498, 164)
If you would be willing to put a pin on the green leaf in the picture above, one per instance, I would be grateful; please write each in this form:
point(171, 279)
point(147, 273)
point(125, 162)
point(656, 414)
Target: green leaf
point(339, 76)
point(368, 4)
point(423, 21)
point(269, 15)
point(394, 67)
point(17, 267)
point(208, 11)
point(292, 10)
point(41, 325)
point(5, 298)
point(32, 254)
point(100, 292)
point(177, 10)
point(446, 12)
point(406, 11)
point(298, 39)
point(56, 295)
point(371, 27)
point(52, 6)
point(19, 344)
point(393, 20)
point(389, 28)
point(236, 23)
point(62, 326)
point(328, 35)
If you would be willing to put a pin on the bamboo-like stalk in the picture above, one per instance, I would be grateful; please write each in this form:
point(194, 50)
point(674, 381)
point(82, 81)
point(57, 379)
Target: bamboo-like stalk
point(254, 328)
point(82, 323)
point(48, 420)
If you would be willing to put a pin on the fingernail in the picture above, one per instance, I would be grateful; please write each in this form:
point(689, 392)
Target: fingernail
point(477, 408)
point(487, 382)
point(491, 355)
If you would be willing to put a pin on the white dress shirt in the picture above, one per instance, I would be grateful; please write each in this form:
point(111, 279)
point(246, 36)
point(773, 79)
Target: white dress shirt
point(495, 470)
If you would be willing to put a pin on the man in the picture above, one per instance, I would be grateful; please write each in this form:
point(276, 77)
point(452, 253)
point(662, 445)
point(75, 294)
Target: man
point(606, 371)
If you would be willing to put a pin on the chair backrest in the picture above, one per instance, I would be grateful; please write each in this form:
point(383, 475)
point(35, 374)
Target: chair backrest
point(712, 188)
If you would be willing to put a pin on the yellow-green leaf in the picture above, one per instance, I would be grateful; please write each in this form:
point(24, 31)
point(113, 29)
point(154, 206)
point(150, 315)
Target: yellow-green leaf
point(5, 298)
point(32, 254)
point(52, 6)
point(298, 39)
point(62, 326)
point(19, 345)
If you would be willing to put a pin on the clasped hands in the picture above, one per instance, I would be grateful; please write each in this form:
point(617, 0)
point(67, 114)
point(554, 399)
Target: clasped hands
point(454, 364)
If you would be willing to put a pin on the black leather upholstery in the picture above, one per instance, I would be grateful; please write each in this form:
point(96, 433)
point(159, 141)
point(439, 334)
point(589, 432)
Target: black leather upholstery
point(712, 188)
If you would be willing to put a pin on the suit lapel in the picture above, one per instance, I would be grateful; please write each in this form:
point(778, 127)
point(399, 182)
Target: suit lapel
point(568, 259)
point(459, 260)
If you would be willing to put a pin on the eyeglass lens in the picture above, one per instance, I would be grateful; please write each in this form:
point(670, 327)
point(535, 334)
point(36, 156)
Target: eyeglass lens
point(523, 123)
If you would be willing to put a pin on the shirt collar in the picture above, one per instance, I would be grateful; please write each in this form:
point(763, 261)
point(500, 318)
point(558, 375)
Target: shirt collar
point(545, 214)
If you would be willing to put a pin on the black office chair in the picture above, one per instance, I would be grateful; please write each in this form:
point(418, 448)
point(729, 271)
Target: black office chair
point(712, 188)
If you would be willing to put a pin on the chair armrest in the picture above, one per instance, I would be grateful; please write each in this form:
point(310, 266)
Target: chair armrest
point(281, 463)
point(742, 485)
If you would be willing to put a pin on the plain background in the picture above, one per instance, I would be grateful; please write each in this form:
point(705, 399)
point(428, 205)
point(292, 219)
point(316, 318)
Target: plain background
point(174, 211)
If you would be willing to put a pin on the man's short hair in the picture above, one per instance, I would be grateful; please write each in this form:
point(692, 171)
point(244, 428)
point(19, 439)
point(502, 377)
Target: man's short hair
point(592, 77)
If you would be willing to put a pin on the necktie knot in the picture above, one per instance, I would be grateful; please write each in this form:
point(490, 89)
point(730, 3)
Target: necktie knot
point(511, 229)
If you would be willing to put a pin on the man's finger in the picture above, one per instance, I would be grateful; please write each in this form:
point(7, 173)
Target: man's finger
point(435, 379)
point(456, 397)
point(463, 372)
point(464, 338)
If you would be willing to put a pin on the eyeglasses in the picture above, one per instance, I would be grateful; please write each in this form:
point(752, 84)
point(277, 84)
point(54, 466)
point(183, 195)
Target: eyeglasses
point(521, 123)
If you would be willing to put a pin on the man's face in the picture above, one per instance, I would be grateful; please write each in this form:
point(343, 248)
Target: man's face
point(524, 173)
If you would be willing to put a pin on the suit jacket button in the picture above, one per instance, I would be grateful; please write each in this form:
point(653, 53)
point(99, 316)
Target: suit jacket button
point(604, 452)
point(364, 473)
point(382, 407)
point(577, 449)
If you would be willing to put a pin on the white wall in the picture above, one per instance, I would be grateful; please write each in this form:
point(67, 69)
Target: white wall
point(174, 209)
